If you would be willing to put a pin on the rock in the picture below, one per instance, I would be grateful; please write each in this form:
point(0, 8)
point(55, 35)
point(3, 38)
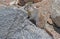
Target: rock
point(5, 2)
point(7, 18)
point(56, 12)
point(15, 25)
point(23, 2)
point(51, 31)
point(28, 31)
point(56, 21)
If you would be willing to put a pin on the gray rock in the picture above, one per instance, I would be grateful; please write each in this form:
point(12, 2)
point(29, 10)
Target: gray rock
point(56, 12)
point(28, 31)
point(8, 17)
point(15, 25)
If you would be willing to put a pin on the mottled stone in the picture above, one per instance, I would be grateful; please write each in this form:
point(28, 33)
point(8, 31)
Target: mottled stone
point(28, 31)
point(8, 17)
point(56, 12)
point(14, 25)
point(23, 2)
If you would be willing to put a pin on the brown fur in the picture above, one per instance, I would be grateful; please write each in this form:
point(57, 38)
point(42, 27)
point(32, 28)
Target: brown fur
point(44, 12)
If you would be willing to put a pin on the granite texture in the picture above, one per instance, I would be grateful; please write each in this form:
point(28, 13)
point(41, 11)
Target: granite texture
point(15, 25)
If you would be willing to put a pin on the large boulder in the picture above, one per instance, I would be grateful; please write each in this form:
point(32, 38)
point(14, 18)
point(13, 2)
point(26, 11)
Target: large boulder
point(15, 25)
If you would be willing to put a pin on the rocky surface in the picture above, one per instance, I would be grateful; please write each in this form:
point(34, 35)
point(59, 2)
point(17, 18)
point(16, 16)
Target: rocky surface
point(56, 12)
point(56, 15)
point(15, 25)
point(23, 2)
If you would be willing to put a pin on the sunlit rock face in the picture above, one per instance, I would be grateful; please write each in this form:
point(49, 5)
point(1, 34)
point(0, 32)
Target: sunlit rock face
point(56, 12)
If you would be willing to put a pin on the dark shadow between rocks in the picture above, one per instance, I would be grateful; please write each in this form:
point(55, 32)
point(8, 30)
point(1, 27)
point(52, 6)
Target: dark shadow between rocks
point(32, 20)
point(57, 29)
